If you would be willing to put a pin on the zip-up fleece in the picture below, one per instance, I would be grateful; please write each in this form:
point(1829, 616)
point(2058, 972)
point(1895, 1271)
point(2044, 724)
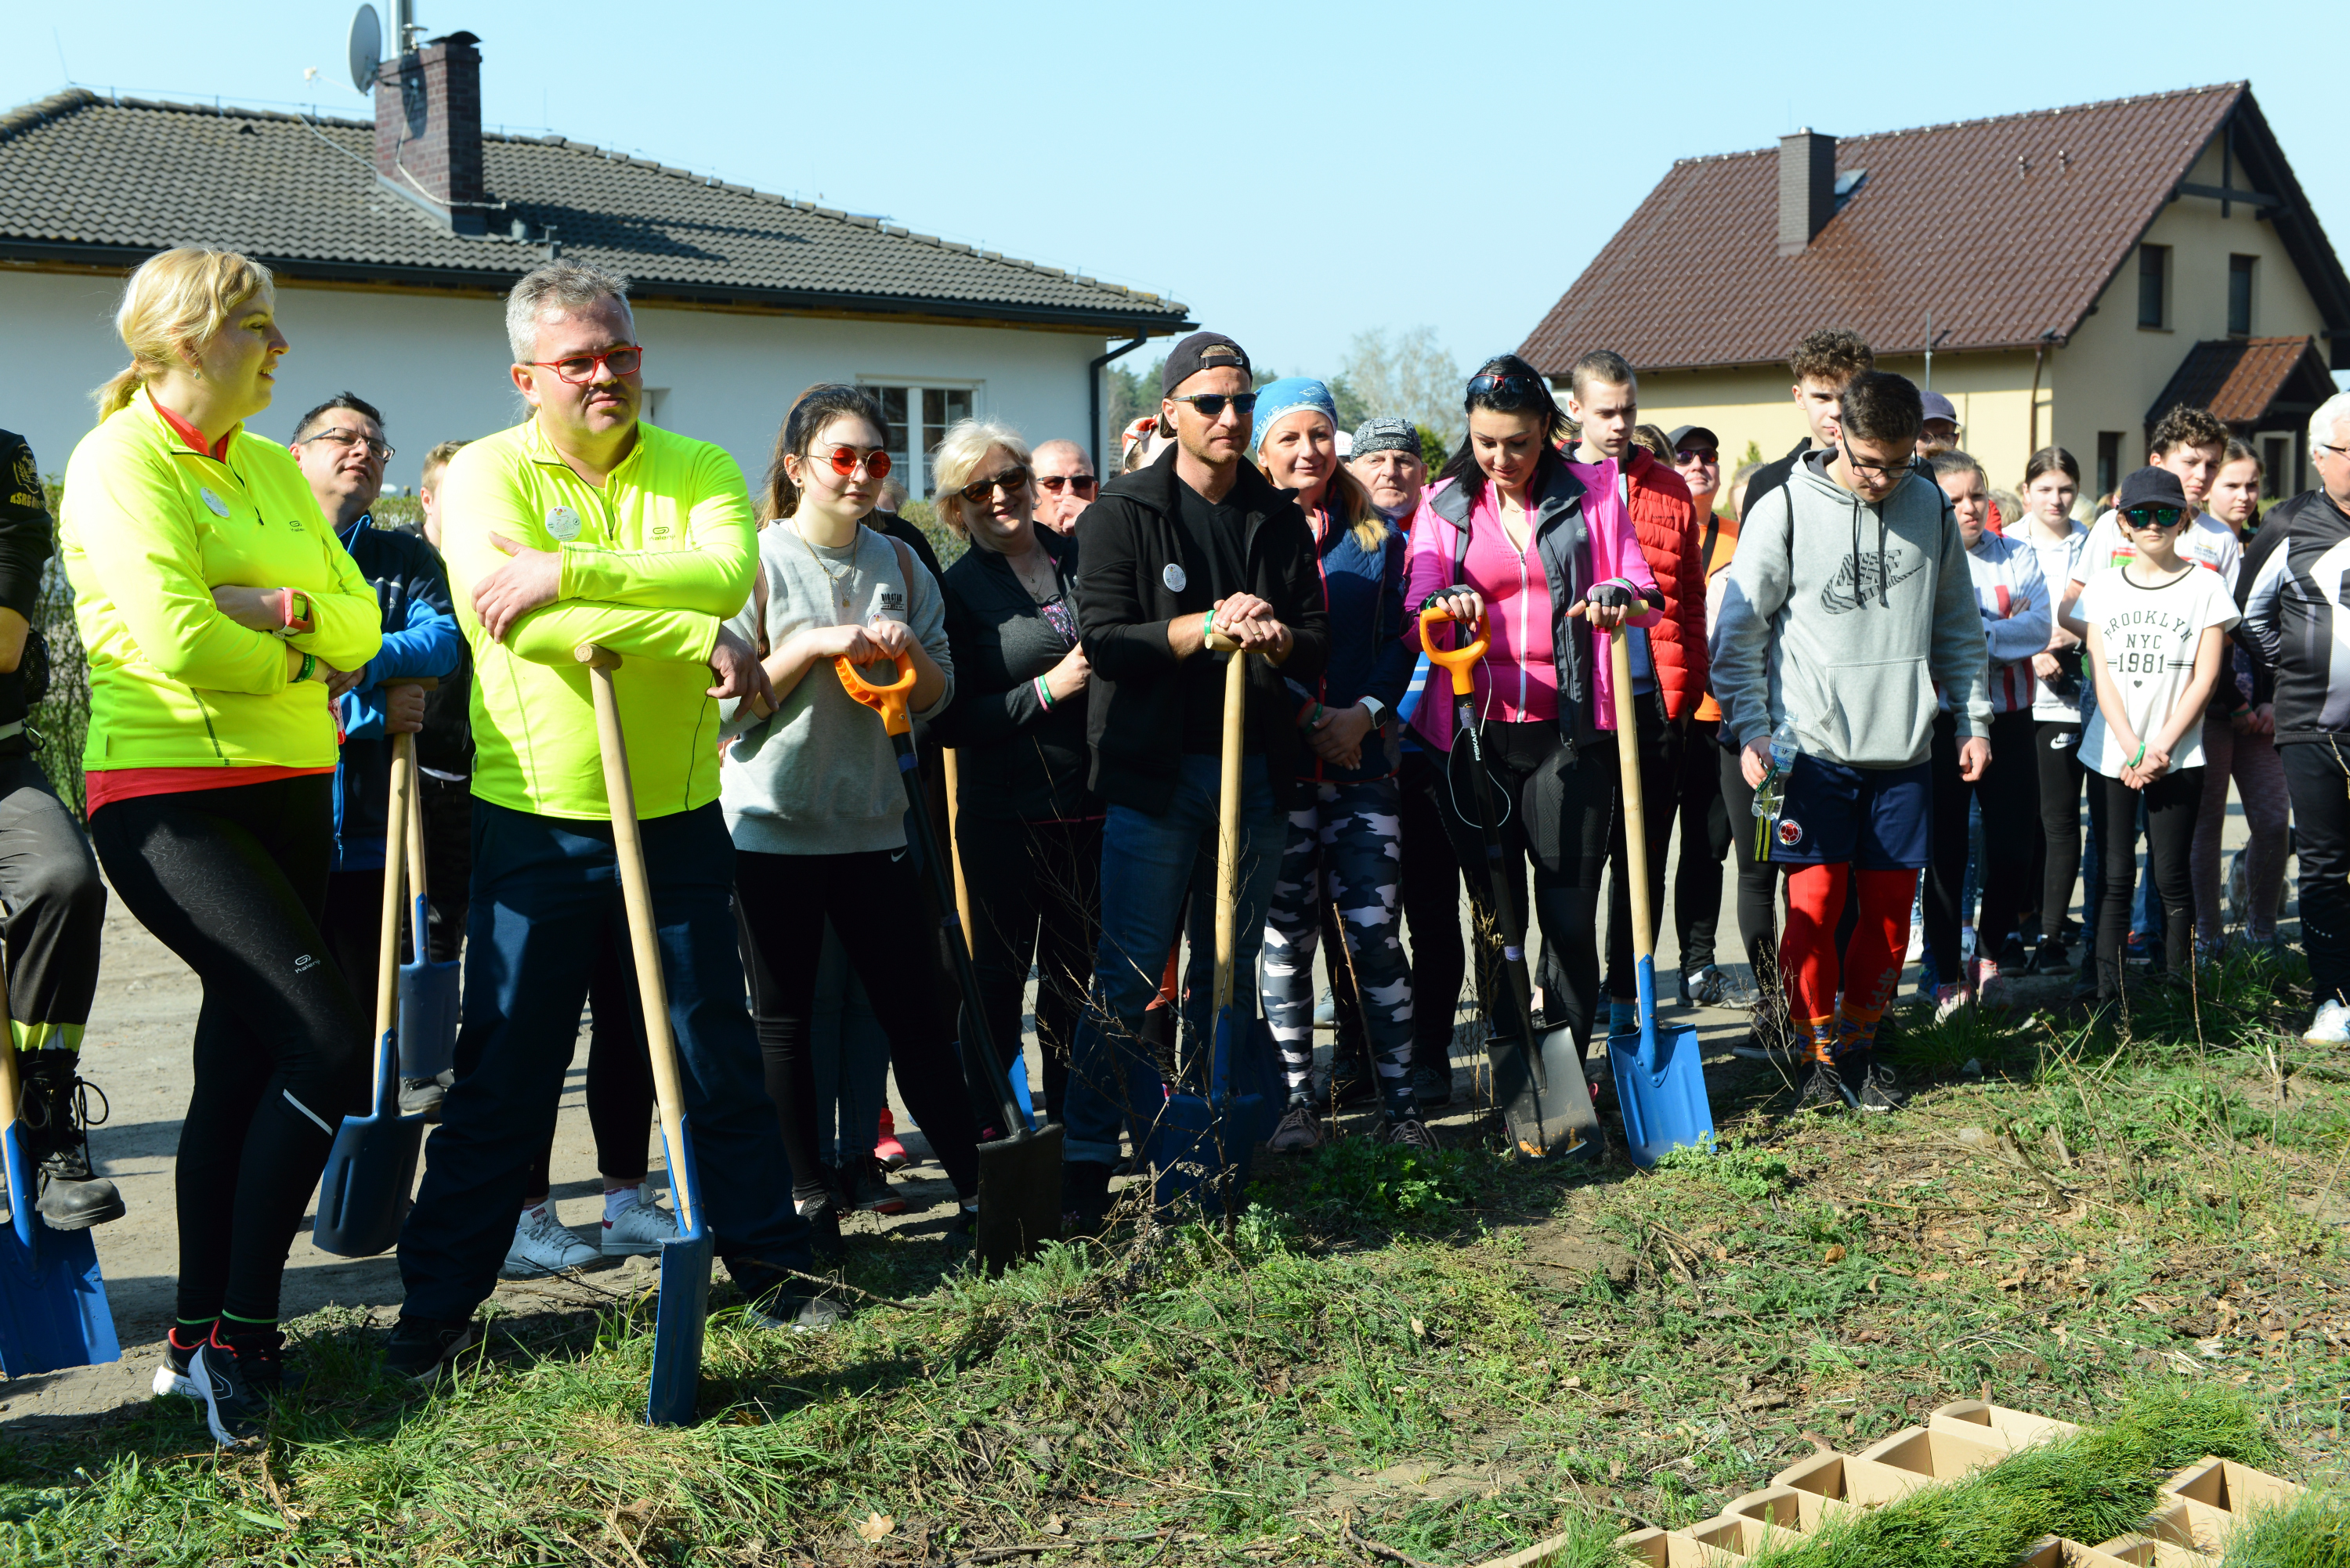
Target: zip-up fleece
point(2296, 623)
point(150, 526)
point(1363, 593)
point(2012, 597)
point(1125, 541)
point(419, 638)
point(1845, 616)
point(654, 563)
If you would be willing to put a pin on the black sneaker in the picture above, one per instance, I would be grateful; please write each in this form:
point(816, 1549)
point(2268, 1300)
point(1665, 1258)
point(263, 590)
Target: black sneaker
point(424, 1348)
point(2048, 958)
point(2010, 954)
point(1821, 1090)
point(823, 1217)
point(1868, 1085)
point(1710, 986)
point(172, 1376)
point(53, 1109)
point(789, 1312)
point(233, 1381)
point(1432, 1087)
point(1349, 1083)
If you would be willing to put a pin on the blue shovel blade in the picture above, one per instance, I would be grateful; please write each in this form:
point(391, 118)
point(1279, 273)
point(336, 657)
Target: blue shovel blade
point(1019, 1076)
point(364, 1193)
point(428, 1013)
point(684, 1309)
point(1660, 1089)
point(53, 1311)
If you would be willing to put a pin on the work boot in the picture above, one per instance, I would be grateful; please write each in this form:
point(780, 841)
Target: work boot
point(54, 1111)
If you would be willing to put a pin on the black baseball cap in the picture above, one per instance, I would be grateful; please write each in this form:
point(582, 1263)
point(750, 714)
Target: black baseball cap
point(1202, 351)
point(2150, 487)
point(1675, 438)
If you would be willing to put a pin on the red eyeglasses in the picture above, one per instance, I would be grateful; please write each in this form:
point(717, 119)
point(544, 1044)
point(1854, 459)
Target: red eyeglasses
point(847, 460)
point(580, 370)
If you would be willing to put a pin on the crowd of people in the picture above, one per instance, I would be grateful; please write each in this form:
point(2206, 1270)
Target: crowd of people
point(1835, 659)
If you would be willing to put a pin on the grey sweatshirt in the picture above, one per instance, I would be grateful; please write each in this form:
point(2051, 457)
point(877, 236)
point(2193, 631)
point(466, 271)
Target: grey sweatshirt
point(818, 776)
point(1846, 616)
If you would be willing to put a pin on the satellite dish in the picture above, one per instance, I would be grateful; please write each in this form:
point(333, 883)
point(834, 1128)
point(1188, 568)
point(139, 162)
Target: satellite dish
point(367, 48)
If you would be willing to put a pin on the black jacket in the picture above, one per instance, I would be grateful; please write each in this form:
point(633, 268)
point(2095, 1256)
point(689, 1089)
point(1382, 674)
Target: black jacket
point(1772, 475)
point(2296, 607)
point(25, 534)
point(1018, 760)
point(1125, 540)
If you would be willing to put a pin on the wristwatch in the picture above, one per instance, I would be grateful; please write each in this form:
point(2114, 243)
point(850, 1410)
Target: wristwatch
point(1380, 713)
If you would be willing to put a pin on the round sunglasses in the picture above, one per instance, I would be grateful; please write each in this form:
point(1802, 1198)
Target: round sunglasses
point(845, 460)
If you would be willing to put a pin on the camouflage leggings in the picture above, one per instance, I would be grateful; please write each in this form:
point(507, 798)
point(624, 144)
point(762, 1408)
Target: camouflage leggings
point(1344, 846)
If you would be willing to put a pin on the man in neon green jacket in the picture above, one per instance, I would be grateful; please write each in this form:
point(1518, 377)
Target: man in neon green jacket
point(582, 524)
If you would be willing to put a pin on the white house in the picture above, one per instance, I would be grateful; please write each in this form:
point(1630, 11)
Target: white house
point(394, 242)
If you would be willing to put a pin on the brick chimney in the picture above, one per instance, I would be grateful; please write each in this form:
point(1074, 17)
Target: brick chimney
point(1806, 187)
point(427, 130)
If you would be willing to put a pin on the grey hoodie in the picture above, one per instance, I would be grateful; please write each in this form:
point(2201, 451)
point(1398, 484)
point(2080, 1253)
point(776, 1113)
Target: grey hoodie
point(1846, 616)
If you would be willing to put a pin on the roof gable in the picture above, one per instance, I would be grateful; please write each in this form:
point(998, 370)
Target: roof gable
point(1694, 278)
point(89, 178)
point(2248, 381)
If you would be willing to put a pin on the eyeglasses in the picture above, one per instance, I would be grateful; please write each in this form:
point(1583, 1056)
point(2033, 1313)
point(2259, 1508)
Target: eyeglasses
point(580, 370)
point(1009, 482)
point(1873, 469)
point(2154, 516)
point(1510, 385)
point(847, 460)
point(1083, 483)
point(2336, 451)
point(347, 438)
point(1697, 455)
point(1211, 404)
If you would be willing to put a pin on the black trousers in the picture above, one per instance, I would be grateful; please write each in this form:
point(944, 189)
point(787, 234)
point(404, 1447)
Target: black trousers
point(1661, 743)
point(2315, 775)
point(1036, 898)
point(2172, 802)
point(2056, 756)
point(1758, 881)
point(56, 909)
point(620, 1087)
point(449, 864)
point(1431, 914)
point(1705, 844)
point(233, 881)
point(2008, 791)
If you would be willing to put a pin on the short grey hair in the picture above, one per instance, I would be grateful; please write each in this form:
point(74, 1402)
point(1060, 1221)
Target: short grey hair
point(2330, 413)
point(559, 287)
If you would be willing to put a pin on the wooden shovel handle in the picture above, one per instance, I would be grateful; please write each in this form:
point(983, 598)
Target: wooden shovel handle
point(1228, 813)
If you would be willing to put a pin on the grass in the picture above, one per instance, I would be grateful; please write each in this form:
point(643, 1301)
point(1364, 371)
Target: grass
point(1451, 1355)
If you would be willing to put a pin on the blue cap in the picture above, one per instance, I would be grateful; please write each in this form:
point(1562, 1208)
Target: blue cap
point(1288, 395)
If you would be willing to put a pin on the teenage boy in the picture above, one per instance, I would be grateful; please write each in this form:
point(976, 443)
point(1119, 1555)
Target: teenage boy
point(2297, 624)
point(1198, 539)
point(584, 524)
point(1849, 604)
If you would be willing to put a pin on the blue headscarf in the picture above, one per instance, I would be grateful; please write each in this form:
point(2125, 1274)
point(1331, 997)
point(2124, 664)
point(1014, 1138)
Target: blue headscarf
point(1288, 395)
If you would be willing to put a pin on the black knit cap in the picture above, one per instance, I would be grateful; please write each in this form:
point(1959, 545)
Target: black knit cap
point(1202, 351)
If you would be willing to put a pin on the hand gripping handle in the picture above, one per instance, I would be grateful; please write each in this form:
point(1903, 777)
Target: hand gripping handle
point(1458, 660)
point(888, 700)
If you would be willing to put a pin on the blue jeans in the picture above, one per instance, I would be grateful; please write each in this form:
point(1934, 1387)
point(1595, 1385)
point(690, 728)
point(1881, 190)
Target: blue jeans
point(545, 889)
point(1149, 864)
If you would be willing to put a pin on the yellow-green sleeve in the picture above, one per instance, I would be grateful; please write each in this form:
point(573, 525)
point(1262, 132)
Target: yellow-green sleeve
point(141, 545)
point(711, 573)
point(552, 634)
point(347, 619)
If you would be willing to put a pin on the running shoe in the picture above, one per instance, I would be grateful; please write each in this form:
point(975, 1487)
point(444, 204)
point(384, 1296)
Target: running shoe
point(789, 1312)
point(866, 1187)
point(1432, 1087)
point(425, 1348)
point(887, 1149)
point(1711, 986)
point(823, 1217)
point(172, 1376)
point(1407, 1131)
point(543, 1245)
point(1821, 1091)
point(1868, 1085)
point(1298, 1131)
point(2141, 948)
point(423, 1096)
point(1986, 983)
point(640, 1229)
point(2012, 954)
point(2331, 1026)
point(2048, 958)
point(1948, 1000)
point(233, 1381)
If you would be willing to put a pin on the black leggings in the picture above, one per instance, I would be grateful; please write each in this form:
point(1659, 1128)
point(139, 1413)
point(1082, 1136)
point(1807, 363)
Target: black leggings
point(1705, 844)
point(1758, 883)
point(781, 902)
point(2172, 803)
point(2007, 790)
point(619, 1071)
point(2057, 749)
point(1556, 813)
point(1035, 896)
point(233, 880)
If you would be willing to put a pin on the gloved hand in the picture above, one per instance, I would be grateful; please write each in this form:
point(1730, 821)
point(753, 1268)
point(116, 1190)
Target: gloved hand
point(1613, 594)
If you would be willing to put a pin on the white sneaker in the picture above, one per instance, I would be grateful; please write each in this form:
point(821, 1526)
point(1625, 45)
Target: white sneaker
point(639, 1228)
point(543, 1245)
point(1948, 1000)
point(2331, 1026)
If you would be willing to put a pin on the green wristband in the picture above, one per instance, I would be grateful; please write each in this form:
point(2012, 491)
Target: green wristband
point(309, 666)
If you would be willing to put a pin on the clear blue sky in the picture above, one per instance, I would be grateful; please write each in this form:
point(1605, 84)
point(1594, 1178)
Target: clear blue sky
point(1299, 172)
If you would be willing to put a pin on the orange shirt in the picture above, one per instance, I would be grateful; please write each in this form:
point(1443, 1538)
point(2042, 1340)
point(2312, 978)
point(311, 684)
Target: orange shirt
point(1725, 545)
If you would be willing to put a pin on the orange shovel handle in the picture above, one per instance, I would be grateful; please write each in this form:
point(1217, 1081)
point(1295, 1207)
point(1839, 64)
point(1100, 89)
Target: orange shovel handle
point(1458, 660)
point(887, 700)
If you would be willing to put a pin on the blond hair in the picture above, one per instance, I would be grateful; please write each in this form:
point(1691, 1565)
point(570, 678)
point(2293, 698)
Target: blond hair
point(171, 306)
point(964, 447)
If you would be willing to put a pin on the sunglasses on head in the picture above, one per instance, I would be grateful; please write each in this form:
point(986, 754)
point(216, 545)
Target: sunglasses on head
point(1211, 404)
point(1510, 385)
point(977, 492)
point(1083, 483)
point(2154, 516)
point(846, 460)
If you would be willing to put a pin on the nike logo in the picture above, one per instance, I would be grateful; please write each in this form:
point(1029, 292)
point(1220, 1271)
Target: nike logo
point(897, 856)
point(1867, 576)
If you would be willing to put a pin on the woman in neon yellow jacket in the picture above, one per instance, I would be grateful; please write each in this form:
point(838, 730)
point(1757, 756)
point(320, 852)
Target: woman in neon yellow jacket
point(215, 603)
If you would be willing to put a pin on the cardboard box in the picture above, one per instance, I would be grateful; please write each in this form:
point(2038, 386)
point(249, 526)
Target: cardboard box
point(2228, 1486)
point(1843, 1477)
point(1936, 1455)
point(1984, 1423)
point(2055, 1552)
point(1789, 1508)
point(1670, 1549)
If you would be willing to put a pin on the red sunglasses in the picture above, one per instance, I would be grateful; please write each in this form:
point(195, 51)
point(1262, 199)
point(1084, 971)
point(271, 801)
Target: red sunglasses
point(845, 460)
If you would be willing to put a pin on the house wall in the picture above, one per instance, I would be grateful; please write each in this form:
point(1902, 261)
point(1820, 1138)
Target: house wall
point(437, 366)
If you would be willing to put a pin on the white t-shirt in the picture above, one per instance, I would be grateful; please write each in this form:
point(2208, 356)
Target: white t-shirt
point(2149, 637)
point(2059, 559)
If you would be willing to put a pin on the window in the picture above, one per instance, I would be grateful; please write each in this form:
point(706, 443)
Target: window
point(924, 413)
point(2154, 286)
point(2240, 296)
point(2275, 453)
point(2109, 463)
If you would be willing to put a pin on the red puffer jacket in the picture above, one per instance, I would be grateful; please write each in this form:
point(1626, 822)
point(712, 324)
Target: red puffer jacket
point(1670, 537)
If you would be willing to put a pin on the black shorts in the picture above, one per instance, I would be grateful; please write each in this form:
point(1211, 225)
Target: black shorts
point(1875, 819)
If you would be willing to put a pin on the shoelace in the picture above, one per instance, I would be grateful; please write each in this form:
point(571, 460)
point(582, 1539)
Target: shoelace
point(33, 1107)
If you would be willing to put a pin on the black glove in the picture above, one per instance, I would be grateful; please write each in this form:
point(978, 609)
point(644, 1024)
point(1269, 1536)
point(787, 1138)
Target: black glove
point(1612, 596)
point(1437, 600)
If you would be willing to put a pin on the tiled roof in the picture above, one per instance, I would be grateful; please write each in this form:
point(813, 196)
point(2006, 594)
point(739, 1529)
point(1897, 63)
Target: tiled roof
point(2242, 379)
point(1695, 278)
point(87, 178)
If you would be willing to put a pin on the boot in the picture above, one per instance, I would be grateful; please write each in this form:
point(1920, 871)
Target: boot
point(54, 1114)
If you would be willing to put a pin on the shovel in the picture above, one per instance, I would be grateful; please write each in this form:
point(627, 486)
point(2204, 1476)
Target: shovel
point(372, 1170)
point(685, 1257)
point(53, 1311)
point(1659, 1081)
point(1201, 1140)
point(1537, 1077)
point(1020, 1173)
point(428, 990)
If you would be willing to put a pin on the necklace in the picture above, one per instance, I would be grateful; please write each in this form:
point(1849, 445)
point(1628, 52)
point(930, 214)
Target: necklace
point(841, 580)
point(1022, 573)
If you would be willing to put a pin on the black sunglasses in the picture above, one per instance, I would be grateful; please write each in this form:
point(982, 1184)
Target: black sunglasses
point(1211, 404)
point(2154, 516)
point(1511, 384)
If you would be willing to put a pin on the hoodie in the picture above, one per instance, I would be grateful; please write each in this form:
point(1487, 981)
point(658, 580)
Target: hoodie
point(1845, 616)
point(2013, 599)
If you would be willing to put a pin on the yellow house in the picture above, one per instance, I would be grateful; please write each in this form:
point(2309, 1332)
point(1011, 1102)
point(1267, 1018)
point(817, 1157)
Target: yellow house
point(2063, 276)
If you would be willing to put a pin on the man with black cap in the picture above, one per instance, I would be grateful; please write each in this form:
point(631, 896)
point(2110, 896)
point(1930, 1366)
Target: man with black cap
point(1941, 426)
point(1198, 539)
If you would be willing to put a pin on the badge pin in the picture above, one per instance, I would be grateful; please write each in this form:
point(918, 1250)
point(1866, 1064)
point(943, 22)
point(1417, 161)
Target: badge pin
point(563, 523)
point(220, 507)
point(1174, 578)
point(1791, 833)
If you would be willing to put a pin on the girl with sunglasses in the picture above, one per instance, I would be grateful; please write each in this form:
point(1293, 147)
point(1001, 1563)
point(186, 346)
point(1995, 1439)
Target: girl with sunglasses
point(1028, 827)
point(2155, 628)
point(812, 794)
point(1504, 538)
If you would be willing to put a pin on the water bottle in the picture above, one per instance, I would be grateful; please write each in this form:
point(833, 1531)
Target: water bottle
point(1773, 789)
